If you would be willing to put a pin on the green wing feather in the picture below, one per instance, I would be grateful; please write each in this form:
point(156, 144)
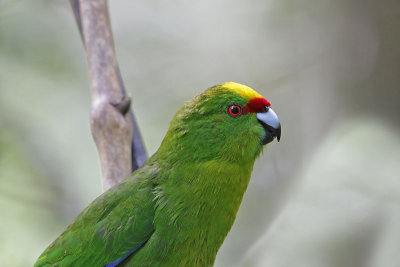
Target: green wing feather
point(112, 225)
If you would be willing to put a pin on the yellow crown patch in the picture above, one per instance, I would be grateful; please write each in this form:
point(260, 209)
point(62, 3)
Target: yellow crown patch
point(242, 90)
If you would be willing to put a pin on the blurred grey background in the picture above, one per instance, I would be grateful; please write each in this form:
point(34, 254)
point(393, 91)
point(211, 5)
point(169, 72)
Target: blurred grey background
point(327, 195)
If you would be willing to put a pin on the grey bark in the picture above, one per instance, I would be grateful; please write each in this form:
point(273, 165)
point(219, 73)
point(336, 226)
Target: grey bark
point(114, 129)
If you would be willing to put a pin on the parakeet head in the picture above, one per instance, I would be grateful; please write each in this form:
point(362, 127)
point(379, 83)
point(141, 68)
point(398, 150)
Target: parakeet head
point(229, 122)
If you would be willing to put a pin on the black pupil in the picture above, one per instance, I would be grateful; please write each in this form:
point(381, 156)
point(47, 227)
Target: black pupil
point(235, 110)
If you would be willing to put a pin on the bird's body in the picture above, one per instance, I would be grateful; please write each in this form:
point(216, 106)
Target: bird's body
point(177, 209)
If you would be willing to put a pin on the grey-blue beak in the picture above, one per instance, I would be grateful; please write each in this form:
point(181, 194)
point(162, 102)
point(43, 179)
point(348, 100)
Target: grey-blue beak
point(272, 126)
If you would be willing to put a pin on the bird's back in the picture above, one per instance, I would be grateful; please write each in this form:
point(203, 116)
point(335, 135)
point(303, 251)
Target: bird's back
point(113, 224)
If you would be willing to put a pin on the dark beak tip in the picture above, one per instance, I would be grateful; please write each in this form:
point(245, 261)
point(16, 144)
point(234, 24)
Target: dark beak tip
point(270, 133)
point(278, 134)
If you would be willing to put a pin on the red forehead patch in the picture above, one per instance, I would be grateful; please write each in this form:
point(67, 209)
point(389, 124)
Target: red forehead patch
point(256, 105)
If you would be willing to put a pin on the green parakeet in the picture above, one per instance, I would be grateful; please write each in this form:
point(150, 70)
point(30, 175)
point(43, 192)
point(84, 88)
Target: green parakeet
point(177, 209)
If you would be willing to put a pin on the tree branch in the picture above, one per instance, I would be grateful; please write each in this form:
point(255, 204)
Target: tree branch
point(113, 124)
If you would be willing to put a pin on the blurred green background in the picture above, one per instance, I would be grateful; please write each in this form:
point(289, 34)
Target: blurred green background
point(327, 195)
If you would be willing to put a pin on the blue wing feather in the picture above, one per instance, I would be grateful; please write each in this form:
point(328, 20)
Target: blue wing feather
point(115, 263)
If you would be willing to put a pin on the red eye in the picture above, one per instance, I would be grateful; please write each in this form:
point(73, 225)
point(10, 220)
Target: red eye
point(235, 110)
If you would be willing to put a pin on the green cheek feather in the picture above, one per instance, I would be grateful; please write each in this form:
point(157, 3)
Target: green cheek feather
point(177, 209)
